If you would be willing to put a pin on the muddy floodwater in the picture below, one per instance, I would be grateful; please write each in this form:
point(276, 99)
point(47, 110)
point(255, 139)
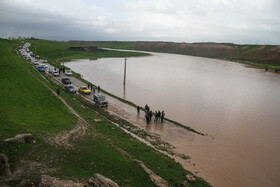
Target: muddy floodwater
point(239, 106)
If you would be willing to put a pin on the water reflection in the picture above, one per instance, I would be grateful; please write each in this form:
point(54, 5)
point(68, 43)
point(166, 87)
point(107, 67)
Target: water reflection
point(124, 92)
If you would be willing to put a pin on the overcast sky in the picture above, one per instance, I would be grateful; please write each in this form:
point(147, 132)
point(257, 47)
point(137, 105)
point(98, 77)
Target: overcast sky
point(237, 21)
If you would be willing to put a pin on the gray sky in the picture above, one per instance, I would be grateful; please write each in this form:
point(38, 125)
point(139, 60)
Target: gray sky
point(237, 21)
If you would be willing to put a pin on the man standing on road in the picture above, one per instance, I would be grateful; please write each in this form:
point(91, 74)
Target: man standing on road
point(98, 88)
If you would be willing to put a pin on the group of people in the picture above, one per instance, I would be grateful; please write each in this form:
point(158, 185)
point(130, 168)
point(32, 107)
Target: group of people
point(92, 88)
point(159, 116)
point(61, 70)
point(275, 70)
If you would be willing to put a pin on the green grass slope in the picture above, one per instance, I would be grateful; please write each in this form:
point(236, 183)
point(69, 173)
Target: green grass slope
point(26, 105)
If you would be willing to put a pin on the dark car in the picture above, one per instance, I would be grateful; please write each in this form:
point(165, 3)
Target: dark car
point(99, 99)
point(70, 89)
point(66, 80)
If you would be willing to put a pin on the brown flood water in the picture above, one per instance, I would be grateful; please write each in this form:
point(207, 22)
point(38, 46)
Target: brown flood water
point(238, 105)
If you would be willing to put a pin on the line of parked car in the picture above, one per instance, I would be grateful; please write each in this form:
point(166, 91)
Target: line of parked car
point(32, 58)
point(98, 98)
point(41, 65)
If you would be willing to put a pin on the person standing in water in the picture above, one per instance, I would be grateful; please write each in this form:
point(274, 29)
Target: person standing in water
point(138, 109)
point(150, 115)
point(147, 108)
point(156, 116)
point(162, 116)
point(147, 117)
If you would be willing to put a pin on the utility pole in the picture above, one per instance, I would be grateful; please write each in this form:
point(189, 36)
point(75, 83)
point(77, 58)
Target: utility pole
point(35, 47)
point(124, 78)
point(63, 56)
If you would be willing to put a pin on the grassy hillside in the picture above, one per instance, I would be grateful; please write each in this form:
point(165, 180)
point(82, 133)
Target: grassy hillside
point(25, 103)
point(98, 147)
point(257, 55)
point(115, 45)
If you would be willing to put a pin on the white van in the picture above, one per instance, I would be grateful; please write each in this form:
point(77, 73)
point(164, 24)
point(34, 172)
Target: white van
point(50, 69)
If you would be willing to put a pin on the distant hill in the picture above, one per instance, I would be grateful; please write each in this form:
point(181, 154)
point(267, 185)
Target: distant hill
point(266, 55)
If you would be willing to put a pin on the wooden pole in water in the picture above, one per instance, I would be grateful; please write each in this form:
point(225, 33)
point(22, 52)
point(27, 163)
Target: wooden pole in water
point(63, 56)
point(124, 78)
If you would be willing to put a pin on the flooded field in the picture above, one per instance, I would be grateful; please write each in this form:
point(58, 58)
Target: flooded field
point(237, 105)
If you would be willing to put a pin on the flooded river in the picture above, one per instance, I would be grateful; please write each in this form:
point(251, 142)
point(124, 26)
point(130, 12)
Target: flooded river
point(237, 105)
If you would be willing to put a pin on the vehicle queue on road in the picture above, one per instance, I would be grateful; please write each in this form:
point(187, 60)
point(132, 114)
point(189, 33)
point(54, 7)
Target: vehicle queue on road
point(43, 66)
